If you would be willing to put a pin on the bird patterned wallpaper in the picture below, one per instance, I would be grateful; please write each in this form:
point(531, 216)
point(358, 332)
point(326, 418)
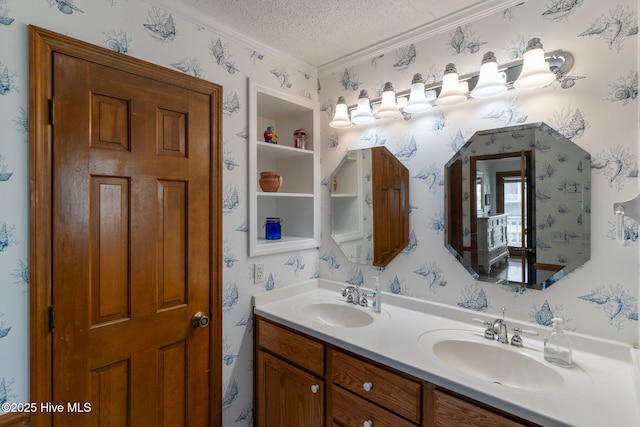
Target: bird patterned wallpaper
point(595, 106)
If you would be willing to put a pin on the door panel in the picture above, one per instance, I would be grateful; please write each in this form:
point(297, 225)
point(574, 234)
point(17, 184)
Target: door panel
point(131, 255)
point(123, 171)
point(390, 183)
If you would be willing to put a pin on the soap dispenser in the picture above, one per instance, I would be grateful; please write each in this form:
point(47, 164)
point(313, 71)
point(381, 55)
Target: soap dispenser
point(377, 296)
point(557, 349)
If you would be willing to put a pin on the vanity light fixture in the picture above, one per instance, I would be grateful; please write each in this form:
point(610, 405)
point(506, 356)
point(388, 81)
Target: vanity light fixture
point(535, 69)
point(491, 82)
point(363, 114)
point(388, 107)
point(452, 92)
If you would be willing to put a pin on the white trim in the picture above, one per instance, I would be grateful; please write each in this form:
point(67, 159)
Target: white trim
point(198, 17)
point(454, 20)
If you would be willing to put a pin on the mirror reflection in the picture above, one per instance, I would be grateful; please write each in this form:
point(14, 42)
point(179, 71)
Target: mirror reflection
point(517, 203)
point(370, 206)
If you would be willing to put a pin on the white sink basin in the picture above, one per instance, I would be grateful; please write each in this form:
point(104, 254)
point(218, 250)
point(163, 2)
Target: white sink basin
point(340, 314)
point(491, 361)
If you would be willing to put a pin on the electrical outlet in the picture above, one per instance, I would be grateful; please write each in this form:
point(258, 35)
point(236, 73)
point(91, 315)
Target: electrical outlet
point(258, 273)
point(572, 187)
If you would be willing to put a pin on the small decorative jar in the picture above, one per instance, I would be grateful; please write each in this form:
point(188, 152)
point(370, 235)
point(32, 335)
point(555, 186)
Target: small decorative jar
point(270, 181)
point(300, 138)
point(272, 228)
point(270, 135)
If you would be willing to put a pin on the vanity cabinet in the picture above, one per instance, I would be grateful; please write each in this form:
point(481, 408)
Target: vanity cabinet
point(297, 202)
point(492, 241)
point(289, 383)
point(301, 381)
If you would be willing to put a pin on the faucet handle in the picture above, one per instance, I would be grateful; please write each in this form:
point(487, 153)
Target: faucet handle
point(489, 332)
point(525, 331)
point(516, 339)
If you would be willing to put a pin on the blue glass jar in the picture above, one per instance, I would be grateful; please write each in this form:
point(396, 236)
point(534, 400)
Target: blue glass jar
point(272, 229)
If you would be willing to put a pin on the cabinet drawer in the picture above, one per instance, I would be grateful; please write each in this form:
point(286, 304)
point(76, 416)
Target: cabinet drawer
point(451, 411)
point(299, 350)
point(351, 410)
point(394, 392)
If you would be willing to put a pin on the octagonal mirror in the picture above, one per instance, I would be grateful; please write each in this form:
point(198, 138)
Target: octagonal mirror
point(517, 205)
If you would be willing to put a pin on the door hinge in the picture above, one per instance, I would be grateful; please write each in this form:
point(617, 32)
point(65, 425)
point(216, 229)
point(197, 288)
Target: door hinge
point(51, 112)
point(52, 317)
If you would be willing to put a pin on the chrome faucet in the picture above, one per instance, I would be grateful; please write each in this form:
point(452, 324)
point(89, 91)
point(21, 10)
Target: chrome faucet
point(500, 330)
point(352, 293)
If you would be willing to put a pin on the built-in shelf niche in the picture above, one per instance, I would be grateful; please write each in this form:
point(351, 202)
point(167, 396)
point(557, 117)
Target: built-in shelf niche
point(297, 202)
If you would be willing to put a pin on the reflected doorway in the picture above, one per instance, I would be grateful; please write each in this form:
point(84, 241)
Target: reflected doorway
point(508, 177)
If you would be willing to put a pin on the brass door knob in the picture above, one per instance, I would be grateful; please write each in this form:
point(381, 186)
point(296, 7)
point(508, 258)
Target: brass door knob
point(200, 320)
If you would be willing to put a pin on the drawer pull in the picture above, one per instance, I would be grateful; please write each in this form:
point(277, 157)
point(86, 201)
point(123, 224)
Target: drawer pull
point(315, 388)
point(368, 423)
point(367, 386)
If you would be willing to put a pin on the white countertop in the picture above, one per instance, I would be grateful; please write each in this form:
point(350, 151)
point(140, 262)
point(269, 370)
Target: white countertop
point(601, 389)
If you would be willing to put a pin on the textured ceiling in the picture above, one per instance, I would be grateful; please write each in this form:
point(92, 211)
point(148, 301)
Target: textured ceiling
point(322, 31)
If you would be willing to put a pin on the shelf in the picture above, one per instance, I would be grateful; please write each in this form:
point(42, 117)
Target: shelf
point(341, 236)
point(277, 151)
point(280, 194)
point(339, 195)
point(285, 240)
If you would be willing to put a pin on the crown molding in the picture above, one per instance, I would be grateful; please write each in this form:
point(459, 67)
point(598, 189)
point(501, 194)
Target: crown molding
point(209, 22)
point(417, 34)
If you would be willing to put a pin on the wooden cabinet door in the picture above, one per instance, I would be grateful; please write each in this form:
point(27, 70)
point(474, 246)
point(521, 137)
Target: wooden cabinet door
point(287, 396)
point(390, 182)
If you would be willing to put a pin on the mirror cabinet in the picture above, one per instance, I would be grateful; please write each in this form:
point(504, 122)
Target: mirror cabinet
point(370, 206)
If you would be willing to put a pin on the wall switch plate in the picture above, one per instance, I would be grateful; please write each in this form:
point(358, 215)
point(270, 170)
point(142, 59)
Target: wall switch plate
point(258, 273)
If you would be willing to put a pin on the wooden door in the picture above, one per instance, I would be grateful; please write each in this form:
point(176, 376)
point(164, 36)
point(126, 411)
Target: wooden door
point(453, 206)
point(134, 241)
point(290, 397)
point(390, 183)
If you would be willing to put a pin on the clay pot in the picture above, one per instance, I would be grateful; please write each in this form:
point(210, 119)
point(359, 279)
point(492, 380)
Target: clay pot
point(270, 181)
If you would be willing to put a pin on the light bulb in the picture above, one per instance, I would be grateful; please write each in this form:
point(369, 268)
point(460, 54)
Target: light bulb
point(388, 106)
point(451, 92)
point(490, 83)
point(363, 114)
point(535, 70)
point(341, 117)
point(418, 102)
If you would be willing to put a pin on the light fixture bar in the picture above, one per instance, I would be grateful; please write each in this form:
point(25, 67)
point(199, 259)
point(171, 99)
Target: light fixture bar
point(560, 62)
